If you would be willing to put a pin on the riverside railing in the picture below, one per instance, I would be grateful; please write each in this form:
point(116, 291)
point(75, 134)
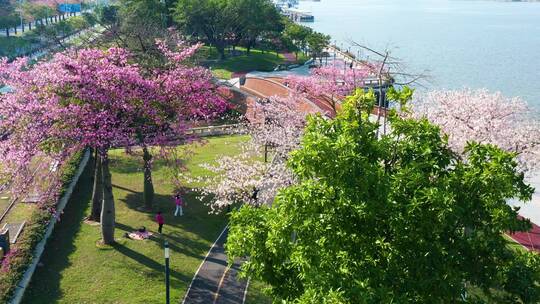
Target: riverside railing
point(229, 129)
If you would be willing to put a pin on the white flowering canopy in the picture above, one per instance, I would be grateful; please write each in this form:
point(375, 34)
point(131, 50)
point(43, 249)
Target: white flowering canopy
point(485, 117)
point(247, 178)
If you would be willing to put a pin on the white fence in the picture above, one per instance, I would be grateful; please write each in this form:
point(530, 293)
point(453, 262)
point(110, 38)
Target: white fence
point(215, 130)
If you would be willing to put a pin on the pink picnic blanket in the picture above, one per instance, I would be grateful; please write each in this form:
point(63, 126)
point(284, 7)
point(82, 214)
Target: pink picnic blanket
point(139, 235)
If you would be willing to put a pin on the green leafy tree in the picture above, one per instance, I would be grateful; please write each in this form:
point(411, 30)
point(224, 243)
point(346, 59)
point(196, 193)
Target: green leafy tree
point(214, 20)
point(317, 42)
point(256, 18)
point(298, 34)
point(38, 11)
point(393, 218)
point(8, 17)
point(141, 23)
point(134, 25)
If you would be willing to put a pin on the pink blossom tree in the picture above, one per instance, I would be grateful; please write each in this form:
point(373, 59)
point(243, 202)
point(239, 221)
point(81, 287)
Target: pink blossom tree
point(485, 117)
point(77, 100)
point(98, 99)
point(183, 93)
point(330, 84)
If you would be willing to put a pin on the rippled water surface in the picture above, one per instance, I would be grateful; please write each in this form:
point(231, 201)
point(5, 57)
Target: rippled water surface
point(463, 43)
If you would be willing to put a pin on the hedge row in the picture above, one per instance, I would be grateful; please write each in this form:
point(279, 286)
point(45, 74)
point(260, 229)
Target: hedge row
point(19, 258)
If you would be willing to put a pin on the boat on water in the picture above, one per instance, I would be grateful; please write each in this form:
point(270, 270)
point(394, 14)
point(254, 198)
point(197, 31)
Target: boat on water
point(298, 15)
point(286, 3)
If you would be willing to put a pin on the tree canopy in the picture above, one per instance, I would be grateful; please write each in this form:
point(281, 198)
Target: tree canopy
point(317, 42)
point(391, 218)
point(99, 99)
point(227, 22)
point(486, 117)
point(8, 17)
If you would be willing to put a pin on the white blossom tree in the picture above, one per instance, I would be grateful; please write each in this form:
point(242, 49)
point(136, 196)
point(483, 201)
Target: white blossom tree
point(250, 177)
point(486, 117)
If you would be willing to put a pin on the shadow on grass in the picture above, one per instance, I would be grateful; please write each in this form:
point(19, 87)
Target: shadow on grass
point(196, 214)
point(126, 189)
point(45, 285)
point(125, 164)
point(189, 247)
point(133, 162)
point(144, 260)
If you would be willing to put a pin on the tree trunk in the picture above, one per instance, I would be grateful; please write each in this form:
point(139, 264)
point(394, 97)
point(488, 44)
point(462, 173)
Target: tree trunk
point(248, 49)
point(30, 25)
point(97, 193)
point(7, 31)
point(15, 27)
point(221, 51)
point(148, 185)
point(107, 209)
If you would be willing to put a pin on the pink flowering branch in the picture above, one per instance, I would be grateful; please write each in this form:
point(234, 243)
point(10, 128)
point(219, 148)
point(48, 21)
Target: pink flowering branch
point(99, 99)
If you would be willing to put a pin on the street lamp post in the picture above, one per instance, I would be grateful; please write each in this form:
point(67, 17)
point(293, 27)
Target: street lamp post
point(163, 16)
point(167, 283)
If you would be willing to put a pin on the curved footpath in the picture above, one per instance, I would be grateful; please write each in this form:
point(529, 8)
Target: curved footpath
point(215, 282)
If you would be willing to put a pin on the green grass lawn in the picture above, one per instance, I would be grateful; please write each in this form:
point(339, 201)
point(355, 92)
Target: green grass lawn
point(75, 270)
point(256, 295)
point(512, 244)
point(255, 61)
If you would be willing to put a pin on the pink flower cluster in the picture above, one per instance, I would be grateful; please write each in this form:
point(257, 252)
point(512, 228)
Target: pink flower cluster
point(100, 99)
point(331, 81)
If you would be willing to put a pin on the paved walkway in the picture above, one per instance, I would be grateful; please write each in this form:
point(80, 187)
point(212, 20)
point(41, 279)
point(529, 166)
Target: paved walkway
point(215, 282)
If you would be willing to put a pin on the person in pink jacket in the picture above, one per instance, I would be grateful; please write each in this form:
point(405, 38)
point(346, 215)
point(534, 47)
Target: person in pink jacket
point(179, 203)
point(160, 220)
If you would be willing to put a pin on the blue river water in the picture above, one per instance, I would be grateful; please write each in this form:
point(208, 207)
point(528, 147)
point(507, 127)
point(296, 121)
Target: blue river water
point(473, 44)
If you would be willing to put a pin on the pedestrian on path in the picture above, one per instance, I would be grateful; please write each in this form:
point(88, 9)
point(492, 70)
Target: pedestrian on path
point(179, 204)
point(160, 220)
